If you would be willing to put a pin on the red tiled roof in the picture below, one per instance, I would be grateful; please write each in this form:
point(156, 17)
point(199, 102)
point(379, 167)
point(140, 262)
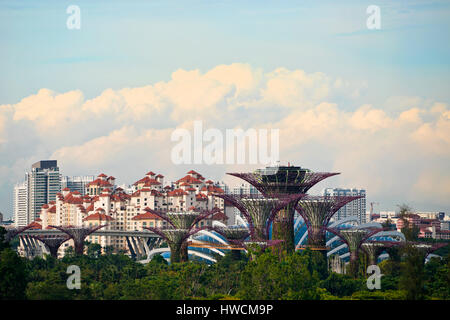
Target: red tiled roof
point(99, 183)
point(219, 216)
point(52, 209)
point(189, 179)
point(146, 216)
point(147, 180)
point(177, 193)
point(66, 189)
point(150, 173)
point(69, 198)
point(34, 225)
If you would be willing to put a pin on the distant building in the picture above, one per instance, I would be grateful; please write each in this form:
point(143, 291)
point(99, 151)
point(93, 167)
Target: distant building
point(20, 215)
point(43, 183)
point(1, 217)
point(77, 183)
point(244, 188)
point(354, 208)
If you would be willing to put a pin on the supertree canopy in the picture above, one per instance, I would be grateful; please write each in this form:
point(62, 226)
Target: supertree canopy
point(259, 210)
point(11, 233)
point(317, 212)
point(283, 179)
point(78, 235)
point(374, 248)
point(354, 238)
point(277, 180)
point(181, 225)
point(234, 235)
point(53, 243)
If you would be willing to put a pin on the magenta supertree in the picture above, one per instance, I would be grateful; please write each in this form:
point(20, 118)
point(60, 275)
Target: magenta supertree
point(78, 235)
point(180, 226)
point(354, 238)
point(317, 212)
point(273, 181)
point(259, 211)
point(374, 248)
point(52, 243)
point(234, 235)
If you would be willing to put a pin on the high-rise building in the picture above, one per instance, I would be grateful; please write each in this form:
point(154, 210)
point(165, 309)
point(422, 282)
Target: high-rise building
point(355, 208)
point(43, 182)
point(77, 183)
point(21, 204)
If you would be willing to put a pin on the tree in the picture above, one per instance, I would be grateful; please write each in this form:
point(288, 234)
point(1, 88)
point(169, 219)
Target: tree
point(412, 273)
point(13, 276)
point(269, 277)
point(94, 250)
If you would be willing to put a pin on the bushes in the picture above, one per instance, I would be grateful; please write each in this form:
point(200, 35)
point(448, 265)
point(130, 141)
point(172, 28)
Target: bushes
point(301, 275)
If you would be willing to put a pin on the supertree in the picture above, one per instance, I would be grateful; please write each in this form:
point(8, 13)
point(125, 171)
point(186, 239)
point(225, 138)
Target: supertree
point(374, 248)
point(52, 243)
point(181, 225)
point(234, 235)
point(11, 233)
point(273, 181)
point(317, 212)
point(354, 238)
point(423, 248)
point(259, 211)
point(78, 235)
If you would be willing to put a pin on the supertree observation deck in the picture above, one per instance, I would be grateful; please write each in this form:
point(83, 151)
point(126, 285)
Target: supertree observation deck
point(52, 243)
point(78, 235)
point(260, 210)
point(354, 238)
point(272, 181)
point(181, 225)
point(374, 248)
point(317, 211)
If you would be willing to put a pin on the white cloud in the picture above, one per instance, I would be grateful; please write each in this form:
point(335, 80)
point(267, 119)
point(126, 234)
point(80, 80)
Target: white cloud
point(126, 132)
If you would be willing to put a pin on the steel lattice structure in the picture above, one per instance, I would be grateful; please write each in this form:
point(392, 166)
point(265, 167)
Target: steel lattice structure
point(180, 227)
point(290, 181)
point(235, 235)
point(259, 210)
point(374, 248)
point(53, 243)
point(354, 238)
point(11, 233)
point(317, 212)
point(283, 180)
point(78, 235)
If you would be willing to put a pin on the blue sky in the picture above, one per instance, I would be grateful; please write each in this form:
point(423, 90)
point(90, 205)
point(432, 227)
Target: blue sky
point(132, 44)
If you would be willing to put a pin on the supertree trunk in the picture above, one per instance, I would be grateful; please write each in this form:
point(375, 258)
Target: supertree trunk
point(184, 255)
point(178, 252)
point(353, 265)
point(283, 229)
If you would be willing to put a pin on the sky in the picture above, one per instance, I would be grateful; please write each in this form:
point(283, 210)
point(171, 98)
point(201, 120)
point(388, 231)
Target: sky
point(370, 104)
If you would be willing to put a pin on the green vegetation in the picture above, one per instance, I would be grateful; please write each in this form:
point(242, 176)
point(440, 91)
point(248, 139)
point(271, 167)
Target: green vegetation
point(300, 275)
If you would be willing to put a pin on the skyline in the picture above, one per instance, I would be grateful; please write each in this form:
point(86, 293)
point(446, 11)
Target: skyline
point(371, 104)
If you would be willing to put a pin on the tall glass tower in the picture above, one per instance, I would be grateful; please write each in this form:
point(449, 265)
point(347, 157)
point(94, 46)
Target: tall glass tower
point(43, 182)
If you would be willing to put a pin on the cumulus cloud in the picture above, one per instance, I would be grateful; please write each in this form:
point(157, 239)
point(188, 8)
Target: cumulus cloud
point(386, 149)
